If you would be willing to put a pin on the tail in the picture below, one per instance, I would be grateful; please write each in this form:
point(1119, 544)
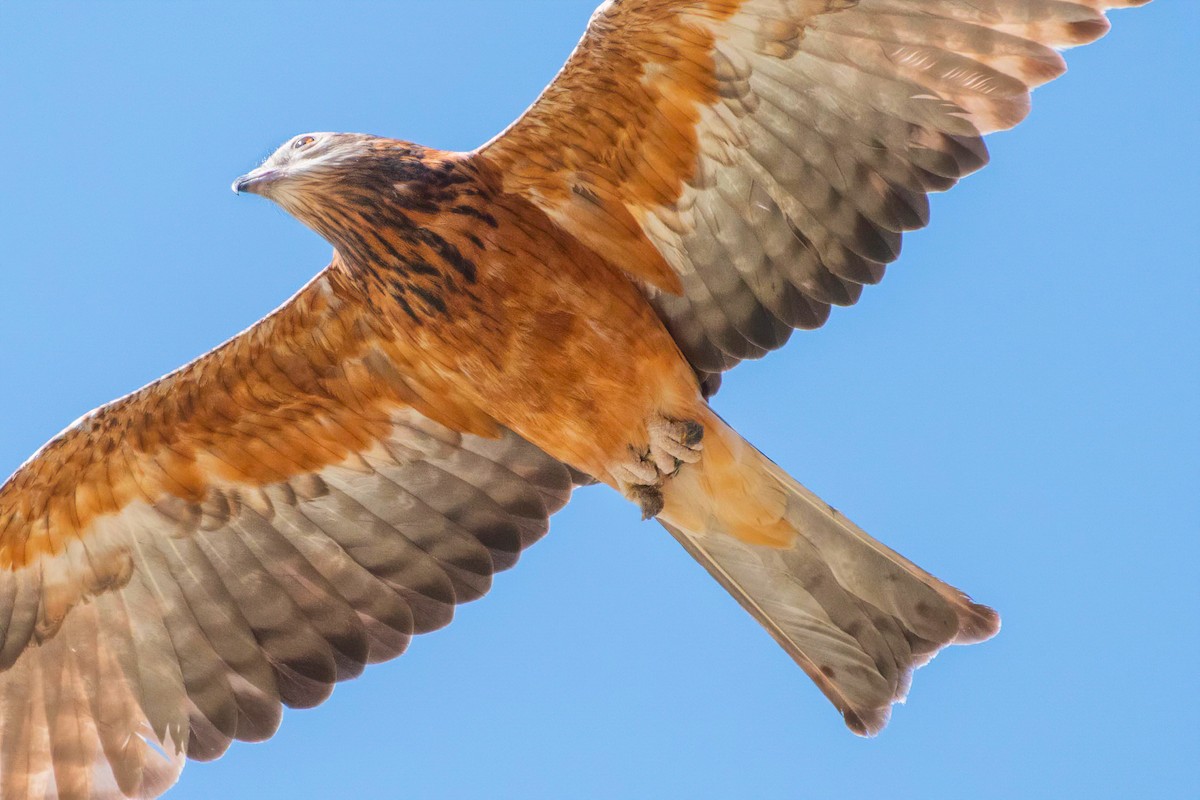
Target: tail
point(856, 616)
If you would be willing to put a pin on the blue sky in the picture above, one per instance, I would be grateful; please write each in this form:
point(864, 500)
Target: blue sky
point(1014, 409)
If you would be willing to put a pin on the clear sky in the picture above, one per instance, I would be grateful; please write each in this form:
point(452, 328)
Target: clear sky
point(1014, 409)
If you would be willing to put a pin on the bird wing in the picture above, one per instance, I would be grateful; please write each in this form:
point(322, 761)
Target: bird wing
point(239, 535)
point(755, 161)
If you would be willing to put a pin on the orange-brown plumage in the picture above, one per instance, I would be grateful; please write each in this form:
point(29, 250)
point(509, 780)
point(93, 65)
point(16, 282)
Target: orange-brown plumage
point(704, 177)
point(177, 435)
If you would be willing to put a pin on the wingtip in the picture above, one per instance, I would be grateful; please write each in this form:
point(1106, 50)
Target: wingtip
point(1093, 23)
point(1086, 31)
point(979, 624)
point(867, 724)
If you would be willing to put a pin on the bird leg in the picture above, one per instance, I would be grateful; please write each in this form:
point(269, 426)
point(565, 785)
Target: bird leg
point(673, 443)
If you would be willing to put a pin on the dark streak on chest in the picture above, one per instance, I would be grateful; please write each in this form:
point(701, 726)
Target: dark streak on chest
point(409, 224)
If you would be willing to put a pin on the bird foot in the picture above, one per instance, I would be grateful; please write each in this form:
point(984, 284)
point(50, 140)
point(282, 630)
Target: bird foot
point(673, 443)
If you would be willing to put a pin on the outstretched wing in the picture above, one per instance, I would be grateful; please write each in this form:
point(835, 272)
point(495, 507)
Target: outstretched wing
point(239, 535)
point(772, 151)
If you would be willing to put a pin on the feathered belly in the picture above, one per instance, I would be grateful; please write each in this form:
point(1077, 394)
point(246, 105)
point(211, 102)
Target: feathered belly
point(549, 340)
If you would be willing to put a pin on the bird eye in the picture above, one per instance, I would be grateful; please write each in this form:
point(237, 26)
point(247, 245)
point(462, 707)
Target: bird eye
point(303, 141)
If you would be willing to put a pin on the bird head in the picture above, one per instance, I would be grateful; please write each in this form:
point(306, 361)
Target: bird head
point(343, 185)
point(303, 165)
point(340, 183)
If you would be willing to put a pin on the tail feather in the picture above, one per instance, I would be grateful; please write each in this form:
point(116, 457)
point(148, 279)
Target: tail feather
point(855, 615)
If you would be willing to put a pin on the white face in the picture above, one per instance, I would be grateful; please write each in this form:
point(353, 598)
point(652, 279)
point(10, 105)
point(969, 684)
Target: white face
point(303, 156)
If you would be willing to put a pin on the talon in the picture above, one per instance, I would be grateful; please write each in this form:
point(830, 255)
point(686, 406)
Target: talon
point(693, 434)
point(649, 498)
point(675, 443)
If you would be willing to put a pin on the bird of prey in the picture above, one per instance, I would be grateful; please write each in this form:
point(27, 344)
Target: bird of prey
point(496, 327)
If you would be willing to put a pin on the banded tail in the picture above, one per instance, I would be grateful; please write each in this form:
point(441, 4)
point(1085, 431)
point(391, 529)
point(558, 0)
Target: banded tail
point(855, 615)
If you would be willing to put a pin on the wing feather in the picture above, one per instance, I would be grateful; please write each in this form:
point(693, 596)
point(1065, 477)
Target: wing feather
point(240, 536)
point(773, 152)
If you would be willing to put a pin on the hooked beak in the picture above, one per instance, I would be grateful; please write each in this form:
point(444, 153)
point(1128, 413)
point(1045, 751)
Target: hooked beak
point(256, 181)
